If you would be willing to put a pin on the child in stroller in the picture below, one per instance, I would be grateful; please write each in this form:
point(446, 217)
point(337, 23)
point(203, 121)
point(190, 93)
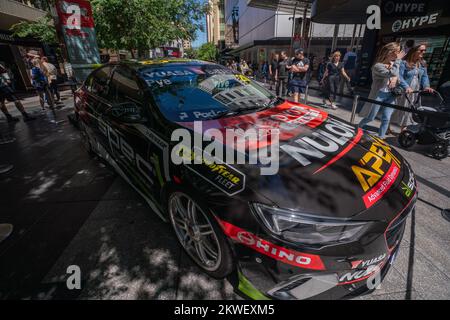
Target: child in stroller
point(432, 124)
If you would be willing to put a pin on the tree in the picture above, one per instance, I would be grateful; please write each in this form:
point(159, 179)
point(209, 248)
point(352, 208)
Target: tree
point(131, 24)
point(191, 53)
point(145, 24)
point(208, 51)
point(43, 29)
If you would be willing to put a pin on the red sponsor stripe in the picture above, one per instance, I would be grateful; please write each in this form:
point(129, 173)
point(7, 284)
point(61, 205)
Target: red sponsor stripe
point(292, 257)
point(377, 192)
point(352, 143)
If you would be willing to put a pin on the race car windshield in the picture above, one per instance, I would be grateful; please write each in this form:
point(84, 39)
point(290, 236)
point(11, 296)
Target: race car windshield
point(204, 92)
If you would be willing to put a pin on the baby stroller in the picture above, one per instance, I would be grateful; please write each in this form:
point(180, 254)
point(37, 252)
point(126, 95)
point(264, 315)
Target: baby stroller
point(430, 129)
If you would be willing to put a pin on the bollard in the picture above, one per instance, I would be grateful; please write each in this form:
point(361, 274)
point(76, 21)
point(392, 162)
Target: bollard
point(355, 105)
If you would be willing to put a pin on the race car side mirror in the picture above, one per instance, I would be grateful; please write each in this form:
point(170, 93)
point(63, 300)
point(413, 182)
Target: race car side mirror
point(127, 112)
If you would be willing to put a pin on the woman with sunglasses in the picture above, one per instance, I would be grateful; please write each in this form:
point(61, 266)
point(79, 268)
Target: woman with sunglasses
point(412, 76)
point(385, 77)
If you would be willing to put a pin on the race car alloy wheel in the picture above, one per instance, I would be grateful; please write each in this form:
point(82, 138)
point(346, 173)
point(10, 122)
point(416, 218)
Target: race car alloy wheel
point(195, 232)
point(407, 139)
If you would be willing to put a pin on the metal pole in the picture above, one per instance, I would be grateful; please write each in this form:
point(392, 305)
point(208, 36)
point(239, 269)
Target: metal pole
point(355, 105)
point(335, 36)
point(293, 30)
point(302, 42)
point(306, 93)
point(352, 43)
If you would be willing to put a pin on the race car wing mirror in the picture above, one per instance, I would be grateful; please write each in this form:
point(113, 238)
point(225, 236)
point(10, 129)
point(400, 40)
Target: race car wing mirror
point(127, 112)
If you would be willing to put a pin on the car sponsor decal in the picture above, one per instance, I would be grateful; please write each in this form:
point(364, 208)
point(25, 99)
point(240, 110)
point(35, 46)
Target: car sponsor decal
point(383, 185)
point(351, 144)
point(292, 257)
point(377, 171)
point(289, 119)
point(160, 143)
point(325, 141)
point(409, 187)
point(365, 263)
point(223, 176)
point(360, 275)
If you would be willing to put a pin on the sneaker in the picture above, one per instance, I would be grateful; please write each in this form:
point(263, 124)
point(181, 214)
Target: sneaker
point(334, 106)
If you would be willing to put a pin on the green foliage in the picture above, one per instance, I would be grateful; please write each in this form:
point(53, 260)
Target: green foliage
point(191, 53)
point(145, 24)
point(43, 30)
point(208, 51)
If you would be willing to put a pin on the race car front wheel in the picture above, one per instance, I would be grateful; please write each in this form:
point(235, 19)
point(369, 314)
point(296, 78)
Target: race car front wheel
point(199, 235)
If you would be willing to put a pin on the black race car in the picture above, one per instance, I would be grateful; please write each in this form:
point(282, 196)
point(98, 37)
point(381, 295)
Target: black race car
point(327, 224)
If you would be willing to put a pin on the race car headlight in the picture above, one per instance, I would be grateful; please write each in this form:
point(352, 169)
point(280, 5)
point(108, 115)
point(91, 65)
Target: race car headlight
point(303, 228)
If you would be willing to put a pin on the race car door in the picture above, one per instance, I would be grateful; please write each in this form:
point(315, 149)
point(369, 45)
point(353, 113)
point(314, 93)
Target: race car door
point(128, 145)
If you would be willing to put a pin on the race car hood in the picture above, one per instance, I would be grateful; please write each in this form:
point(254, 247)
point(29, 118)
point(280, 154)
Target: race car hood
point(326, 166)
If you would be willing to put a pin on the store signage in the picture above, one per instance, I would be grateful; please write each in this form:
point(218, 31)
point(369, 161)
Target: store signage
point(415, 22)
point(409, 8)
point(77, 27)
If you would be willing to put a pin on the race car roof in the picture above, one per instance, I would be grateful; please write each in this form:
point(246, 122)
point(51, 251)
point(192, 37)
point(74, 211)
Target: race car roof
point(141, 64)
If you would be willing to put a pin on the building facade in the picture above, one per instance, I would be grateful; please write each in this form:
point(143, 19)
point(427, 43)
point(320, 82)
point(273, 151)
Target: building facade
point(13, 50)
point(257, 32)
point(215, 23)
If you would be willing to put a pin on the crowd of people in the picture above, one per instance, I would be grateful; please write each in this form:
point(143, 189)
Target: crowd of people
point(396, 72)
point(44, 78)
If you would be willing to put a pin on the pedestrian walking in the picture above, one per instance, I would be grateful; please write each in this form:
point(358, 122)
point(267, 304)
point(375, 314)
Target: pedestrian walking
point(299, 68)
point(321, 69)
point(413, 76)
point(334, 73)
point(40, 83)
point(350, 62)
point(385, 78)
point(51, 73)
point(7, 94)
point(265, 71)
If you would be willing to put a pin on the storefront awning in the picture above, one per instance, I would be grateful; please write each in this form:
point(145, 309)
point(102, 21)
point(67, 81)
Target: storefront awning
point(281, 5)
point(322, 11)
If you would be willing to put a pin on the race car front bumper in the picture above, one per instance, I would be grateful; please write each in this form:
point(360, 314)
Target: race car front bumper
point(259, 284)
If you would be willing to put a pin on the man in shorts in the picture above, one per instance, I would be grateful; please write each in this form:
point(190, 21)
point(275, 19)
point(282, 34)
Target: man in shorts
point(7, 94)
point(299, 68)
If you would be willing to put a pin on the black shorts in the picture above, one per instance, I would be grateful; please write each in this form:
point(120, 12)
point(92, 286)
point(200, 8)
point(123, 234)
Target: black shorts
point(6, 93)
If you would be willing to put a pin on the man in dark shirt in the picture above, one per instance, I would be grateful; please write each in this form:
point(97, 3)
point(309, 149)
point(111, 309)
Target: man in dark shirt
point(299, 68)
point(282, 74)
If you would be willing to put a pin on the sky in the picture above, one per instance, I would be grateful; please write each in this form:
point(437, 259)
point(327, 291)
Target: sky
point(201, 36)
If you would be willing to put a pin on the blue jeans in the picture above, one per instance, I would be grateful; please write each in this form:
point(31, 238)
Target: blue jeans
point(386, 113)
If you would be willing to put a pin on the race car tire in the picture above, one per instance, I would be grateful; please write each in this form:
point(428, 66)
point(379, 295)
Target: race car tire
point(440, 151)
point(407, 139)
point(190, 219)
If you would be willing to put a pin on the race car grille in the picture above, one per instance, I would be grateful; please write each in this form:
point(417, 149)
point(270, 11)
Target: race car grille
point(395, 231)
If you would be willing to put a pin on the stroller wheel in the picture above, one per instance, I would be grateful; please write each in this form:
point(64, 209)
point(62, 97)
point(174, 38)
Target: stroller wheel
point(440, 150)
point(407, 139)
